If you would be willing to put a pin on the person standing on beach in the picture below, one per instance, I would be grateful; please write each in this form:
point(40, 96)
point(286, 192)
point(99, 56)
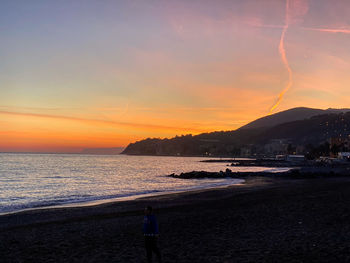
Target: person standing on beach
point(151, 233)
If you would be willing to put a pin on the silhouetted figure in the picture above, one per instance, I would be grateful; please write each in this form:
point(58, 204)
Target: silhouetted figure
point(151, 233)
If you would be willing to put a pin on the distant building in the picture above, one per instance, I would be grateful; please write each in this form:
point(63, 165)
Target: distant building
point(290, 158)
point(246, 151)
point(276, 147)
point(281, 157)
point(344, 155)
point(295, 158)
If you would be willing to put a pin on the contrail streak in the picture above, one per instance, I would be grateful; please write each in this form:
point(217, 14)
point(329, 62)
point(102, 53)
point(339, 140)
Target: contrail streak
point(282, 52)
point(329, 30)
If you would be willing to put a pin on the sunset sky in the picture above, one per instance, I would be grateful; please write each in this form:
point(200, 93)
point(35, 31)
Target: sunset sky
point(77, 74)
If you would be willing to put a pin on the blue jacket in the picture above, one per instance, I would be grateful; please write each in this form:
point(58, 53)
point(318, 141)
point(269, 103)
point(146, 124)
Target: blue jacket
point(150, 225)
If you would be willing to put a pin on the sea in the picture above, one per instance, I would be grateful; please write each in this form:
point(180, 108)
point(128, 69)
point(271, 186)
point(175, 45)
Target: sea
point(35, 181)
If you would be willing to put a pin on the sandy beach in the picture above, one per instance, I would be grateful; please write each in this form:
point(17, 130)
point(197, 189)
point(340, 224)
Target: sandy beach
point(264, 220)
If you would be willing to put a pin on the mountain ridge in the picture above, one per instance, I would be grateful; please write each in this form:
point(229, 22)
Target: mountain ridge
point(293, 114)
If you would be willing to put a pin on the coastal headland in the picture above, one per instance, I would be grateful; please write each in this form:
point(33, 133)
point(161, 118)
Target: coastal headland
point(267, 219)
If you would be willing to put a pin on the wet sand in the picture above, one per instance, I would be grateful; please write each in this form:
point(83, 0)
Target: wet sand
point(265, 220)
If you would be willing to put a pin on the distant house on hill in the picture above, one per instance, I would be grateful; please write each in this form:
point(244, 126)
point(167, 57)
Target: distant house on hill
point(340, 141)
point(339, 145)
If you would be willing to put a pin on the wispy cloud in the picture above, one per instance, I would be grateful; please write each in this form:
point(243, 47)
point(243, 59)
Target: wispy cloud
point(257, 22)
point(104, 122)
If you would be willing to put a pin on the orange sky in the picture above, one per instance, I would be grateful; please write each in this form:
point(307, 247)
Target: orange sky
point(104, 74)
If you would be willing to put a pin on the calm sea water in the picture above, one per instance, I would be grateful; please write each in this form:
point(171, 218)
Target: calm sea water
point(41, 180)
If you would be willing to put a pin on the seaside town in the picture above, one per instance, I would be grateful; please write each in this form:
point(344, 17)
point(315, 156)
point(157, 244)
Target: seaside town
point(334, 150)
point(333, 160)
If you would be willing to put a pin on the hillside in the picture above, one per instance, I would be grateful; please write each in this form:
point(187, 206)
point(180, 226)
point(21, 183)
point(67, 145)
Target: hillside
point(303, 134)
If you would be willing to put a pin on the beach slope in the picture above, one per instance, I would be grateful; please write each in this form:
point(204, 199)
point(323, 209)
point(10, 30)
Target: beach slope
point(265, 220)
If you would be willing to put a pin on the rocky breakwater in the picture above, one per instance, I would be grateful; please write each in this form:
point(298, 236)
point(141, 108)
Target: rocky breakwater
point(300, 173)
point(221, 174)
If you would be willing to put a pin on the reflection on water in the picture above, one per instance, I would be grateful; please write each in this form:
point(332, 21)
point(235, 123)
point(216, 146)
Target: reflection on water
point(36, 180)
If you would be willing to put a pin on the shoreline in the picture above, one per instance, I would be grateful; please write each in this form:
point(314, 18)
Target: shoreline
point(98, 202)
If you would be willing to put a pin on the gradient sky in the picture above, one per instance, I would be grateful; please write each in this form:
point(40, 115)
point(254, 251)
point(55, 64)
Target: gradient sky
point(76, 74)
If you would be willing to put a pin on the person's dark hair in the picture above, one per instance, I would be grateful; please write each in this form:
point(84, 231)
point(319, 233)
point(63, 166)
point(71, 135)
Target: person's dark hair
point(149, 208)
